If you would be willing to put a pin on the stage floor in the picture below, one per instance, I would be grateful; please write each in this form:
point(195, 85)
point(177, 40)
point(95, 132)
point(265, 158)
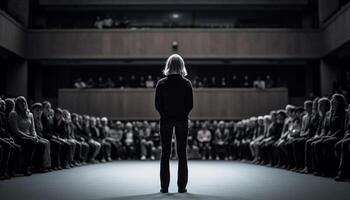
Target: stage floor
point(140, 180)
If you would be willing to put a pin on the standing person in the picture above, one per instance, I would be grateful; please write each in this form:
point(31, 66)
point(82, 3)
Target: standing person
point(174, 101)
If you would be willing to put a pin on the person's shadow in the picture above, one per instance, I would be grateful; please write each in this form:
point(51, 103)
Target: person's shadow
point(160, 196)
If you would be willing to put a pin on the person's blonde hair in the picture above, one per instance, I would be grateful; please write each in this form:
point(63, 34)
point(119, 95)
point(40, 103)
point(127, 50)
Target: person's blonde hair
point(175, 65)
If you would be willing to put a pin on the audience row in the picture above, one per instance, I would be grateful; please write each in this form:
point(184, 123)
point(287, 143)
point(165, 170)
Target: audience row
point(311, 139)
point(198, 82)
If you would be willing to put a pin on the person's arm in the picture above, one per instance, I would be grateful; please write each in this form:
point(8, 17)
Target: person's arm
point(189, 98)
point(159, 99)
point(32, 127)
point(14, 126)
point(339, 124)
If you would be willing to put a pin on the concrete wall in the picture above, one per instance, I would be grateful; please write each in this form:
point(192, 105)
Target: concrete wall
point(12, 35)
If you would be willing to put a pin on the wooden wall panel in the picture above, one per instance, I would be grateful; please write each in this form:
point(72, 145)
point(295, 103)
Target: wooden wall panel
point(236, 103)
point(156, 43)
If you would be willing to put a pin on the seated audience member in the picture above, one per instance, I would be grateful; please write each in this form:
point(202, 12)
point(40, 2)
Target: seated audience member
point(90, 83)
point(60, 133)
point(116, 135)
point(287, 128)
point(248, 137)
point(129, 141)
point(133, 83)
point(294, 133)
point(343, 152)
point(70, 136)
point(246, 82)
point(155, 135)
point(269, 82)
point(258, 136)
point(105, 139)
point(120, 82)
point(100, 82)
point(213, 82)
point(9, 106)
point(258, 83)
point(223, 82)
point(110, 83)
point(94, 146)
point(47, 131)
point(99, 23)
point(265, 124)
point(195, 81)
point(298, 143)
point(149, 82)
point(325, 147)
point(274, 131)
point(79, 136)
point(205, 82)
point(10, 151)
point(193, 151)
point(108, 22)
point(146, 143)
point(100, 138)
point(78, 83)
point(22, 127)
point(221, 135)
point(42, 155)
point(204, 138)
point(322, 130)
point(142, 82)
point(234, 82)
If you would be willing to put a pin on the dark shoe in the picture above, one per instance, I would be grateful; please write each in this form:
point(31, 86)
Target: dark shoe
point(339, 178)
point(163, 190)
point(27, 173)
point(182, 190)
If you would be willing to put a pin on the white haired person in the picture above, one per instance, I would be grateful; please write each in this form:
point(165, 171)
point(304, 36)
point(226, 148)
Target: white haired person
point(174, 101)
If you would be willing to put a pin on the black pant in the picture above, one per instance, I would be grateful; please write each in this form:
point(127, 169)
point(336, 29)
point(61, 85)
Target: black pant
point(28, 146)
point(166, 132)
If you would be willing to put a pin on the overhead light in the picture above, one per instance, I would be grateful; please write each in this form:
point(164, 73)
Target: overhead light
point(175, 15)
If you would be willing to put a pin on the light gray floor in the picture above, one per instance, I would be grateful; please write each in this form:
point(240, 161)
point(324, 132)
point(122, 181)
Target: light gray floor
point(138, 180)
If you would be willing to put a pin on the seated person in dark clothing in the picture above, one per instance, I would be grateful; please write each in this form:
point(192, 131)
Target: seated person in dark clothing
point(42, 156)
point(129, 141)
point(11, 151)
point(343, 152)
point(59, 131)
point(57, 145)
point(77, 130)
point(133, 83)
point(273, 133)
point(115, 136)
point(100, 83)
point(69, 129)
point(9, 106)
point(105, 153)
point(325, 147)
point(94, 146)
point(110, 83)
point(305, 134)
point(90, 83)
point(120, 83)
point(204, 137)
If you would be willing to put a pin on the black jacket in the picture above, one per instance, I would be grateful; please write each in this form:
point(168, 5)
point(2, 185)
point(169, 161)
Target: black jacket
point(174, 97)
